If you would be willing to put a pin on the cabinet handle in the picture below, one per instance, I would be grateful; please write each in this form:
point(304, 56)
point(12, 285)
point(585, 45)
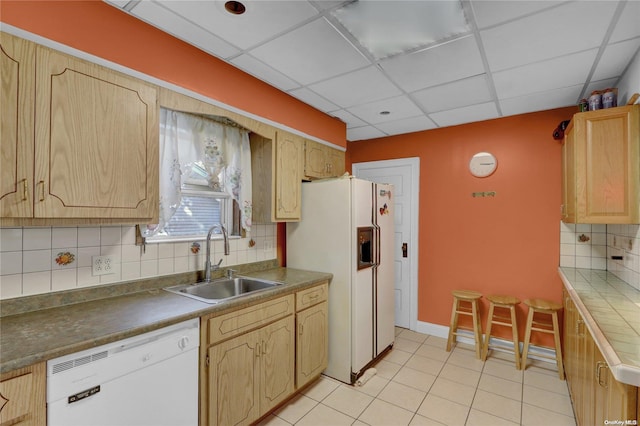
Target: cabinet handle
point(578, 322)
point(41, 183)
point(300, 329)
point(264, 348)
point(25, 190)
point(599, 366)
point(258, 350)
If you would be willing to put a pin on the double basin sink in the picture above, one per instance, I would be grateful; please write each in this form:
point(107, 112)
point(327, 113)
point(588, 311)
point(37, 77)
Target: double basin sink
point(223, 289)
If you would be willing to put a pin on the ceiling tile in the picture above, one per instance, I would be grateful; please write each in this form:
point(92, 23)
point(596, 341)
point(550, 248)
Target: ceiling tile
point(348, 118)
point(627, 26)
point(399, 107)
point(490, 12)
point(436, 65)
point(355, 88)
point(292, 54)
point(173, 24)
point(313, 99)
point(467, 114)
point(559, 31)
point(261, 21)
point(556, 98)
point(557, 73)
point(407, 125)
point(473, 90)
point(366, 132)
point(264, 72)
point(614, 60)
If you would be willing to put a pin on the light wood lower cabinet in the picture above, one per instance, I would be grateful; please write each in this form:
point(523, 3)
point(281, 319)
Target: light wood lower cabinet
point(23, 396)
point(312, 323)
point(251, 374)
point(596, 395)
point(255, 358)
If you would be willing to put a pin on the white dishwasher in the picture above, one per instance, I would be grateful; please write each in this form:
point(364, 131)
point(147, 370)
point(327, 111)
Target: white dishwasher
point(150, 379)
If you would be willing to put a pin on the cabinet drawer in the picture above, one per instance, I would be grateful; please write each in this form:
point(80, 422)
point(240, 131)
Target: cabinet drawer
point(15, 395)
point(311, 296)
point(238, 322)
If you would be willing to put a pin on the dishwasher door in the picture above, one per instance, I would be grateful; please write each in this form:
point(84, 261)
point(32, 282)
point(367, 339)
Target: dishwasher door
point(150, 379)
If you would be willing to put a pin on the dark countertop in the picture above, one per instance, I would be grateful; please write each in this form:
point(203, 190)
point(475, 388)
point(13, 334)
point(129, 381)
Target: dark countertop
point(611, 311)
point(31, 337)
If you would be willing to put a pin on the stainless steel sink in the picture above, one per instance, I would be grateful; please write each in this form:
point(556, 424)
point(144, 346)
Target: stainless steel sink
point(223, 289)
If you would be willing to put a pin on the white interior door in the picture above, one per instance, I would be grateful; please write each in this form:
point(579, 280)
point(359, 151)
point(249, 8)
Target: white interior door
point(403, 174)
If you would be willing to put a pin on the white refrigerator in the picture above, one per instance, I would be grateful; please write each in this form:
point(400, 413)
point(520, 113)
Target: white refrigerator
point(347, 229)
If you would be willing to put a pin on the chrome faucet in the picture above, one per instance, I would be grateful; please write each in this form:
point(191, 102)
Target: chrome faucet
point(207, 263)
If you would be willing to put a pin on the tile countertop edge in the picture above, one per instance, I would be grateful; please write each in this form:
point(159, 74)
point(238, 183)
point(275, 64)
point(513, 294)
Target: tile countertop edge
point(20, 327)
point(623, 373)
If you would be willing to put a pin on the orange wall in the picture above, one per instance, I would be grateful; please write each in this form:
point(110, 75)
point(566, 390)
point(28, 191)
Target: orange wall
point(104, 31)
point(508, 244)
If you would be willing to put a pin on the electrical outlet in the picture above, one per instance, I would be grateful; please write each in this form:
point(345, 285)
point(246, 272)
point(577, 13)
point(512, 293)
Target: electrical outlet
point(103, 265)
point(268, 245)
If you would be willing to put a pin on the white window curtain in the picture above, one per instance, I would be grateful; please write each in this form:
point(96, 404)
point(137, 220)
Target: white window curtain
point(199, 152)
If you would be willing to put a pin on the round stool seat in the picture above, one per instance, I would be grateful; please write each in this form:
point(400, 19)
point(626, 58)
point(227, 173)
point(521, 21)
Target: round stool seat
point(543, 305)
point(503, 300)
point(466, 294)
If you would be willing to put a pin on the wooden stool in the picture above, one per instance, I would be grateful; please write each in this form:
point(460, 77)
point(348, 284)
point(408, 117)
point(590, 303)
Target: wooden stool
point(541, 306)
point(470, 297)
point(502, 302)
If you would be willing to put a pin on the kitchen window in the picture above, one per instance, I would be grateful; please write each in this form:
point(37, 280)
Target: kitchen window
point(205, 177)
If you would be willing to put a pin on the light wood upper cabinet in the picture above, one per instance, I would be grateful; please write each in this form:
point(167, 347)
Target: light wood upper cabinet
point(288, 177)
point(601, 167)
point(96, 141)
point(321, 161)
point(79, 141)
point(276, 169)
point(16, 133)
point(23, 396)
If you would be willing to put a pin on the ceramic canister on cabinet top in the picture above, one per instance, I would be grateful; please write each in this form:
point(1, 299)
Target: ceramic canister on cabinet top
point(609, 99)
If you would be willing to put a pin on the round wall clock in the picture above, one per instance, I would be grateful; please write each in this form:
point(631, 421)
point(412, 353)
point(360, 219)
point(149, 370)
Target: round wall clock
point(483, 164)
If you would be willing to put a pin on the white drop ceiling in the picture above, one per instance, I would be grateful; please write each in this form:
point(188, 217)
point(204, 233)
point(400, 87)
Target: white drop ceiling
point(428, 63)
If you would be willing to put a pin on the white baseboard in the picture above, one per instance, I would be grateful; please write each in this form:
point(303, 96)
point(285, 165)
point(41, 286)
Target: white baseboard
point(535, 352)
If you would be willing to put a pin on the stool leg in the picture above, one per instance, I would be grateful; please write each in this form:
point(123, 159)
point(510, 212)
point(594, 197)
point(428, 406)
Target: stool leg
point(556, 338)
point(485, 346)
point(453, 325)
point(477, 328)
point(527, 336)
point(516, 343)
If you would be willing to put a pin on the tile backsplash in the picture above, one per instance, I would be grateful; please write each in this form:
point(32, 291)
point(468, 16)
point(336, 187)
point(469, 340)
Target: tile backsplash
point(47, 259)
point(594, 246)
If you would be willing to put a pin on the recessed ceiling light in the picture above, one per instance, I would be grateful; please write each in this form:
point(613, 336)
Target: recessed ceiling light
point(385, 112)
point(235, 7)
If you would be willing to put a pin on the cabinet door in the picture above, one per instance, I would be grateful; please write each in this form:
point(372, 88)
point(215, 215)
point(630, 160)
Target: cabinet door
point(568, 209)
point(312, 343)
point(277, 363)
point(234, 381)
point(336, 161)
point(622, 400)
point(16, 133)
point(288, 177)
point(315, 160)
point(96, 141)
point(607, 161)
point(23, 396)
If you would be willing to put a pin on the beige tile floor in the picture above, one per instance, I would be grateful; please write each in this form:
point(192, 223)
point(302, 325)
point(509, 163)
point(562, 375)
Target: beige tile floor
point(419, 383)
